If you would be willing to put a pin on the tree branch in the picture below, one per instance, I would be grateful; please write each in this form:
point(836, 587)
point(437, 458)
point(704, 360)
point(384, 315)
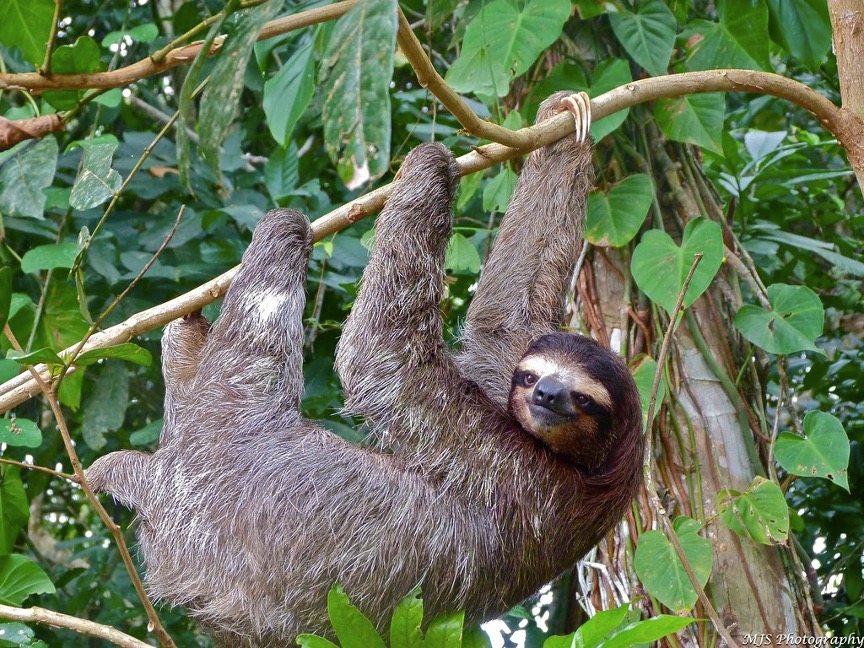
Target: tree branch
point(847, 23)
point(153, 65)
point(81, 626)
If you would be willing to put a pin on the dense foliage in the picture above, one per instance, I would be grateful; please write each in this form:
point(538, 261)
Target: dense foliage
point(269, 132)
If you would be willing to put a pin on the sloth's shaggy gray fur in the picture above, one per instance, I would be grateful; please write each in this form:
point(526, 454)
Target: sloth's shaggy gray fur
point(248, 513)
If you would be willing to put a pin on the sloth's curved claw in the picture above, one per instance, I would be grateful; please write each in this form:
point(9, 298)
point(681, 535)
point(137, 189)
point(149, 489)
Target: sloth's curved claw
point(579, 105)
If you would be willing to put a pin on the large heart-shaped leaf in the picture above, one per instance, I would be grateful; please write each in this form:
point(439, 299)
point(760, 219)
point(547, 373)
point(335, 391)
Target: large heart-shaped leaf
point(503, 41)
point(693, 119)
point(661, 571)
point(822, 452)
point(19, 578)
point(793, 323)
point(737, 40)
point(660, 267)
point(648, 34)
point(759, 513)
point(613, 219)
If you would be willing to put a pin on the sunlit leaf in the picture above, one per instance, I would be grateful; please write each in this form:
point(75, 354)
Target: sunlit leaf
point(759, 513)
point(661, 571)
point(794, 322)
point(26, 24)
point(660, 267)
point(823, 451)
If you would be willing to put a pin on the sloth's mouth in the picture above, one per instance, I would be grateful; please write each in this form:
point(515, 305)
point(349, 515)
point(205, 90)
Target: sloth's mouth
point(546, 418)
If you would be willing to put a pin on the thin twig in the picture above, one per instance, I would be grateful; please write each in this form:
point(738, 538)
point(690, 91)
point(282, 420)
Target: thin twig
point(649, 478)
point(81, 626)
point(76, 351)
point(45, 70)
point(55, 473)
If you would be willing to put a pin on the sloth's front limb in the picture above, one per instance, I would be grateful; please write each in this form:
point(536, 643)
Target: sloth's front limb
point(252, 363)
point(391, 357)
point(182, 343)
point(521, 292)
point(125, 475)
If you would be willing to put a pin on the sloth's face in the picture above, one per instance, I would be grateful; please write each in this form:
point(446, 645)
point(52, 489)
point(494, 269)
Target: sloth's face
point(561, 403)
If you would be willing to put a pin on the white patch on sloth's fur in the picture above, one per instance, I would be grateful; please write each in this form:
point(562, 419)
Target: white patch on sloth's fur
point(574, 375)
point(266, 304)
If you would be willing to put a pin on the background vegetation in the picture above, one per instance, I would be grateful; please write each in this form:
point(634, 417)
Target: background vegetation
point(751, 181)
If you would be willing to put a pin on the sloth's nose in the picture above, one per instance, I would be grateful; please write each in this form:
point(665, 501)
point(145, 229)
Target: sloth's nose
point(553, 395)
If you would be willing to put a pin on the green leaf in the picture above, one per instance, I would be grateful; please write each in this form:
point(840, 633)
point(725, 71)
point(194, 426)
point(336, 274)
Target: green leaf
point(18, 634)
point(352, 628)
point(614, 219)
point(793, 323)
point(46, 355)
point(468, 186)
point(693, 119)
point(105, 410)
point(609, 73)
point(737, 40)
point(97, 182)
point(462, 255)
point(14, 508)
point(497, 193)
point(281, 172)
point(288, 92)
point(405, 625)
point(822, 452)
point(20, 432)
point(647, 630)
point(143, 33)
point(802, 27)
point(474, 637)
point(662, 572)
point(445, 631)
point(126, 351)
point(648, 34)
point(312, 641)
point(147, 434)
point(47, 257)
point(5, 294)
point(356, 109)
point(26, 24)
point(644, 377)
point(25, 172)
point(502, 42)
point(593, 631)
point(82, 57)
point(19, 578)
point(660, 267)
point(221, 97)
point(759, 513)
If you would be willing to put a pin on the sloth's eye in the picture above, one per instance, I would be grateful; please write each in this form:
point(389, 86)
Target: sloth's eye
point(582, 400)
point(528, 379)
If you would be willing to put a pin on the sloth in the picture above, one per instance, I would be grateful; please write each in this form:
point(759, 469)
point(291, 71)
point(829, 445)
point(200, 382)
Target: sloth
point(501, 464)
